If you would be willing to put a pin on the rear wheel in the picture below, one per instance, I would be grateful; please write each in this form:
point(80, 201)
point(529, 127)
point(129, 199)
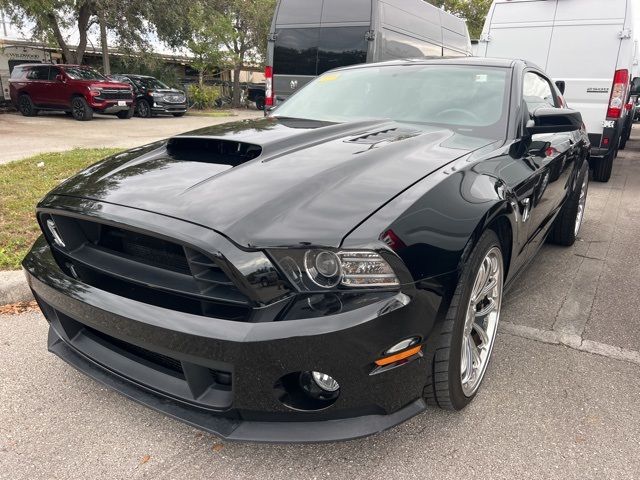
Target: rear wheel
point(80, 109)
point(260, 103)
point(567, 225)
point(26, 107)
point(466, 341)
point(143, 109)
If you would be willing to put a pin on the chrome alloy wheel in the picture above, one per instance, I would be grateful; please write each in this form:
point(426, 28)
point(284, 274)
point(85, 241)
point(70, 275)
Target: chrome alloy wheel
point(582, 201)
point(481, 322)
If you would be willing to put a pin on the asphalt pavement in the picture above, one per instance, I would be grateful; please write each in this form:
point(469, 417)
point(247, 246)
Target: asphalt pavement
point(548, 408)
point(22, 137)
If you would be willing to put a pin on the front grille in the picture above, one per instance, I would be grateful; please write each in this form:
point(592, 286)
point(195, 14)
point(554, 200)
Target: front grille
point(157, 360)
point(115, 94)
point(177, 98)
point(148, 269)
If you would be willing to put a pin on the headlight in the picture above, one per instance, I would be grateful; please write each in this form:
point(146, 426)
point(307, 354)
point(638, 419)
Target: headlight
point(322, 269)
point(95, 91)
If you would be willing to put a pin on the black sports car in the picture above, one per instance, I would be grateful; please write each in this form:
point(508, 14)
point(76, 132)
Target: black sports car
point(323, 273)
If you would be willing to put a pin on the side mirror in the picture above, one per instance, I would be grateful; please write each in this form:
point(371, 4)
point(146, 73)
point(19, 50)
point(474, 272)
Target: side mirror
point(635, 86)
point(554, 120)
point(59, 78)
point(561, 86)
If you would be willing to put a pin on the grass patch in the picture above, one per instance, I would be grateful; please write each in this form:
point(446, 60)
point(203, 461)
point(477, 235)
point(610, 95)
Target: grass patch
point(212, 113)
point(22, 184)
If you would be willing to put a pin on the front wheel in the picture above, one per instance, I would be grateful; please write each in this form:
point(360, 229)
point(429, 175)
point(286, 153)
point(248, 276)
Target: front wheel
point(465, 343)
point(143, 109)
point(80, 109)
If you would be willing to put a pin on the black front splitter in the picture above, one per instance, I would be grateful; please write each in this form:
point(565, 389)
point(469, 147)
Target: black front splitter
point(230, 428)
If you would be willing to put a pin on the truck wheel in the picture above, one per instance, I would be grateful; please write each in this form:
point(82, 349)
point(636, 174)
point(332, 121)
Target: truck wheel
point(125, 114)
point(26, 107)
point(463, 348)
point(143, 109)
point(80, 109)
point(626, 134)
point(260, 103)
point(569, 220)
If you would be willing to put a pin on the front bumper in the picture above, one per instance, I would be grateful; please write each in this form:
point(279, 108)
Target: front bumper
point(169, 108)
point(256, 355)
point(111, 106)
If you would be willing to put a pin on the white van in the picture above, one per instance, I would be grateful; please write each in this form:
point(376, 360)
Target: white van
point(309, 37)
point(587, 47)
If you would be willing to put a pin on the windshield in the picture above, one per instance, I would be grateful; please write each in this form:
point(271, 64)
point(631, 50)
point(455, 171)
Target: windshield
point(469, 99)
point(84, 73)
point(150, 83)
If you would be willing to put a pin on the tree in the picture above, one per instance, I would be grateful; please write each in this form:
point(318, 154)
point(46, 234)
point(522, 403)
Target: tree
point(473, 11)
point(49, 19)
point(224, 33)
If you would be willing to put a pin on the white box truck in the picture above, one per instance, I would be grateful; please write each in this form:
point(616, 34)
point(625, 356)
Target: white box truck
point(587, 47)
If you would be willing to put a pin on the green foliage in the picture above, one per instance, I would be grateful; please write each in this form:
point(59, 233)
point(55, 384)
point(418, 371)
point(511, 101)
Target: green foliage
point(473, 11)
point(146, 64)
point(22, 184)
point(203, 96)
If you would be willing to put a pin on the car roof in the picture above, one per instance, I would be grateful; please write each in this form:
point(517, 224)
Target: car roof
point(474, 61)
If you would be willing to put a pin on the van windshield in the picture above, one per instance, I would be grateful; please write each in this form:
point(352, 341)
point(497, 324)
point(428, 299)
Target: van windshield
point(470, 99)
point(312, 51)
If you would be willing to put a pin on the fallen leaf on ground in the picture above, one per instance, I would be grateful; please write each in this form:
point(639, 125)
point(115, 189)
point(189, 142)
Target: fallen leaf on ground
point(145, 459)
point(217, 447)
point(20, 307)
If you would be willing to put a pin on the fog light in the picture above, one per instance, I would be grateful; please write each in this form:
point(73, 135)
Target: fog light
point(325, 382)
point(51, 225)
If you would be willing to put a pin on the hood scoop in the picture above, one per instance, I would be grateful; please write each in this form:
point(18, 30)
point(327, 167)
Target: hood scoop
point(212, 150)
point(387, 135)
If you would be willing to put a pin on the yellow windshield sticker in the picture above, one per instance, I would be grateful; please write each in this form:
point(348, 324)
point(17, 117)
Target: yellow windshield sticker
point(329, 78)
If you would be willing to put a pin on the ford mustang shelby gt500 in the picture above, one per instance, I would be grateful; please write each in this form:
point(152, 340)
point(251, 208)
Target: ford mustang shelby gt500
point(323, 273)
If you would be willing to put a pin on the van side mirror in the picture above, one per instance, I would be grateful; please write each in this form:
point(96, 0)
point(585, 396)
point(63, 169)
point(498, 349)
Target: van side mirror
point(554, 120)
point(635, 86)
point(59, 78)
point(561, 86)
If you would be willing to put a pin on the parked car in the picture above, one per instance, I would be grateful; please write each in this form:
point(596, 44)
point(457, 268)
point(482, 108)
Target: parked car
point(153, 97)
point(388, 226)
point(78, 90)
point(256, 93)
point(309, 37)
point(596, 79)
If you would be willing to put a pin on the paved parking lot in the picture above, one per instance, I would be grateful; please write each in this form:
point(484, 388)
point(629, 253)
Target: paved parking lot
point(548, 408)
point(22, 137)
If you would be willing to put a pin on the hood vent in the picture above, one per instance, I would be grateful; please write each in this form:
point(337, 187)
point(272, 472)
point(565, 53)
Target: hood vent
point(388, 135)
point(212, 150)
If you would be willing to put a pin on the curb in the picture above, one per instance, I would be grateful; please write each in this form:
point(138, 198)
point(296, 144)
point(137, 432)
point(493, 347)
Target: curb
point(14, 288)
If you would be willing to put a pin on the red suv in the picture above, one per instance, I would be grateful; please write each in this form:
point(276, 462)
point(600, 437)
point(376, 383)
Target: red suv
point(77, 90)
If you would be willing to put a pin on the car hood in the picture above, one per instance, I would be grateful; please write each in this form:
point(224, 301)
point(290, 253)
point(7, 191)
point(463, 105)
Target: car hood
point(103, 84)
point(310, 183)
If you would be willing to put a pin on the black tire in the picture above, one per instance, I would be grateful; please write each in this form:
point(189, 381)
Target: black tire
point(26, 106)
point(143, 109)
point(260, 103)
point(80, 109)
point(125, 114)
point(444, 385)
point(179, 114)
point(626, 133)
point(563, 231)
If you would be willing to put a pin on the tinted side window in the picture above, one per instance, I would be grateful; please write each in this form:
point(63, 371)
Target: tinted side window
point(38, 73)
point(53, 71)
point(537, 92)
point(341, 46)
point(296, 51)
